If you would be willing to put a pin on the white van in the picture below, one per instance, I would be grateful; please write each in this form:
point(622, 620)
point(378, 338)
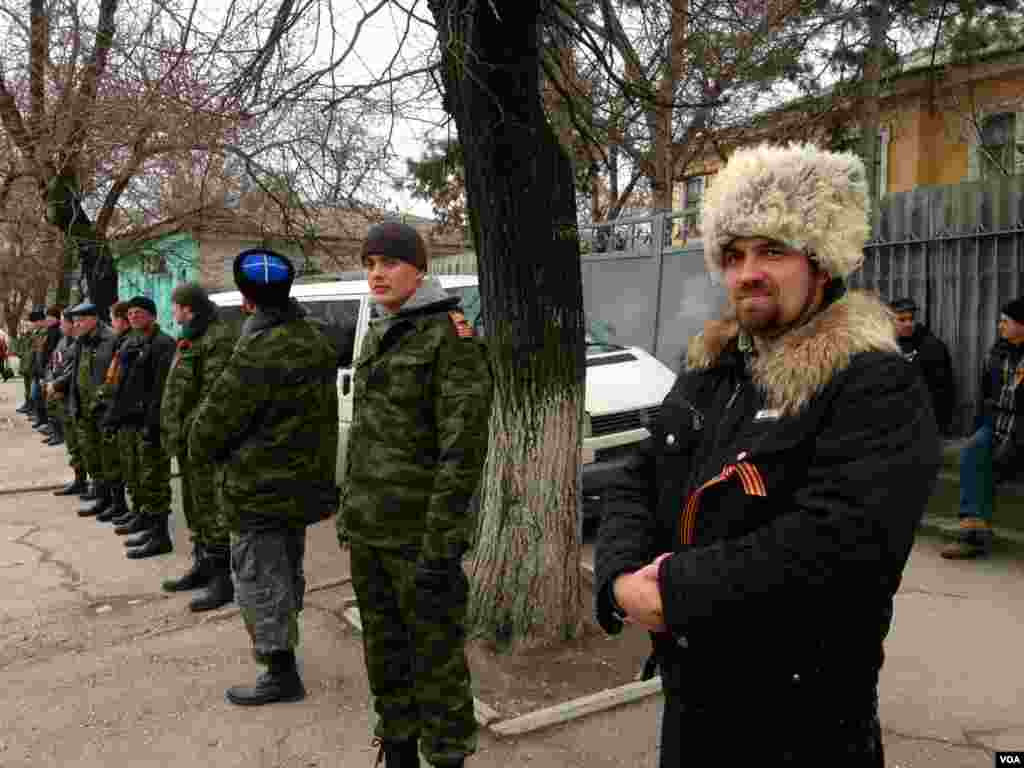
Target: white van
point(624, 385)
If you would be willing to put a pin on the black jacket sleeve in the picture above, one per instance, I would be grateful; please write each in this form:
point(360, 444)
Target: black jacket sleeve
point(938, 373)
point(850, 525)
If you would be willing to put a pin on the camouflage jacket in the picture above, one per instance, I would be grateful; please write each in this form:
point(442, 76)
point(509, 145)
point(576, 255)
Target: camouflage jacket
point(270, 423)
point(203, 350)
point(31, 346)
point(419, 433)
point(89, 351)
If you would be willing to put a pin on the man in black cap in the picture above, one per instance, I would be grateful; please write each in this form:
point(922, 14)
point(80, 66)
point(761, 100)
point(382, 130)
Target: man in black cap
point(145, 359)
point(89, 364)
point(923, 348)
point(46, 344)
point(63, 375)
point(270, 425)
point(29, 350)
point(996, 450)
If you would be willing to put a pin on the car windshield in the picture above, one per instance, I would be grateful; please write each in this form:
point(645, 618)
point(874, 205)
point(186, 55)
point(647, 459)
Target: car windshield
point(599, 334)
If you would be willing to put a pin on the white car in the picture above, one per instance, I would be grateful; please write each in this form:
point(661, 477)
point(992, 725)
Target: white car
point(625, 386)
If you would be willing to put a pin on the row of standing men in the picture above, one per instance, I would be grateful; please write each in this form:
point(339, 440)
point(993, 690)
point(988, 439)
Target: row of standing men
point(121, 398)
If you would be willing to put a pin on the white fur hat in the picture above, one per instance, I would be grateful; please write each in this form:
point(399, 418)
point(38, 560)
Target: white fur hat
point(800, 195)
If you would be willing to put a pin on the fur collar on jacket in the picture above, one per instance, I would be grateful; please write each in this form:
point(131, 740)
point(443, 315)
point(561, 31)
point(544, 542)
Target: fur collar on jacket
point(803, 361)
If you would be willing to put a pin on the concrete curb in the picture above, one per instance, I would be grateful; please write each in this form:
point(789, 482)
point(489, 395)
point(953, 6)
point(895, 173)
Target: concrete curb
point(544, 718)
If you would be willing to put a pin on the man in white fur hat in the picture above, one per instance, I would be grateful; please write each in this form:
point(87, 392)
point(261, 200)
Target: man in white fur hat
point(761, 532)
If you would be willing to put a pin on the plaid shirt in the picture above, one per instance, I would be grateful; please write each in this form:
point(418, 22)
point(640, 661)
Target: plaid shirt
point(1011, 373)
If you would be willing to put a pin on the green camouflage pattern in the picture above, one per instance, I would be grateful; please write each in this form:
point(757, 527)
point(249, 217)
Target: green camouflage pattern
point(197, 364)
point(90, 445)
point(422, 403)
point(71, 441)
point(110, 456)
point(270, 585)
point(201, 504)
point(128, 446)
point(153, 477)
point(415, 660)
point(270, 422)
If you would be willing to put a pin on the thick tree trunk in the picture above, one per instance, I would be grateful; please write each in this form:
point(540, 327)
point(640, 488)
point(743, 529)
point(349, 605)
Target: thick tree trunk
point(64, 211)
point(521, 200)
point(878, 29)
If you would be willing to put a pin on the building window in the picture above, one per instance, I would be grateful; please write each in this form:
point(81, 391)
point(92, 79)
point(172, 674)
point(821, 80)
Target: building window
point(997, 150)
point(693, 195)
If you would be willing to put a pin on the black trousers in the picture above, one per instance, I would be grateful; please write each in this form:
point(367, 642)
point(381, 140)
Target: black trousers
point(806, 735)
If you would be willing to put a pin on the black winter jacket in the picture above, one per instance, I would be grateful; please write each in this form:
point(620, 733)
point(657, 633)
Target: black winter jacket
point(99, 340)
point(789, 487)
point(145, 360)
point(929, 353)
point(41, 363)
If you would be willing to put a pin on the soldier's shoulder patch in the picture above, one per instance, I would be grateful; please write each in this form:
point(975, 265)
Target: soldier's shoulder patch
point(462, 327)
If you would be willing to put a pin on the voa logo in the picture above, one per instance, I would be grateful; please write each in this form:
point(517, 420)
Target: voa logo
point(1008, 760)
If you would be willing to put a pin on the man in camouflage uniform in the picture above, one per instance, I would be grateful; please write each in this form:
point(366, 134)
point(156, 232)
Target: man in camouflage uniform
point(41, 365)
point(144, 361)
point(90, 360)
point(59, 368)
point(111, 503)
point(63, 375)
point(204, 348)
point(270, 424)
point(23, 349)
point(418, 443)
point(32, 343)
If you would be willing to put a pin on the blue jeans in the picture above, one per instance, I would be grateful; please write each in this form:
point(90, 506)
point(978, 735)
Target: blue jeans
point(976, 474)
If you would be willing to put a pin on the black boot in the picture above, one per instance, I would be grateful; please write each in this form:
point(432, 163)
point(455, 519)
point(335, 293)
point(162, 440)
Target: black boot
point(103, 501)
point(124, 518)
point(144, 535)
point(89, 494)
point(281, 682)
point(78, 485)
point(118, 504)
point(23, 408)
point(54, 439)
point(159, 542)
point(135, 524)
point(399, 754)
point(220, 590)
point(195, 577)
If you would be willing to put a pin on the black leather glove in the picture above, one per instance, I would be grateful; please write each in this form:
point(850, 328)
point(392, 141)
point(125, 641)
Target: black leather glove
point(441, 587)
point(151, 434)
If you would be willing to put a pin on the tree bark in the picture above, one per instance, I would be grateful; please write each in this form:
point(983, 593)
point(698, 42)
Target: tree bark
point(878, 29)
point(527, 589)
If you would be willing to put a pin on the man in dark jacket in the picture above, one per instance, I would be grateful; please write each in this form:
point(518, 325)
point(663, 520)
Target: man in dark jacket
point(923, 348)
point(418, 443)
point(145, 360)
point(46, 343)
point(270, 424)
point(89, 366)
point(111, 503)
point(995, 452)
point(204, 348)
point(62, 375)
point(761, 532)
point(59, 367)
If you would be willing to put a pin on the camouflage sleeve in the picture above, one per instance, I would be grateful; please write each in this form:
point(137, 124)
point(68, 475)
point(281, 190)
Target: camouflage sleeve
point(463, 407)
point(228, 408)
point(217, 357)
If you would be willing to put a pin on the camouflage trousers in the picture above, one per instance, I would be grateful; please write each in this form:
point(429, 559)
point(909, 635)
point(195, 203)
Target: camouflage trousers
point(415, 662)
point(71, 442)
point(90, 442)
point(153, 477)
point(201, 504)
point(27, 381)
point(110, 456)
point(127, 444)
point(266, 567)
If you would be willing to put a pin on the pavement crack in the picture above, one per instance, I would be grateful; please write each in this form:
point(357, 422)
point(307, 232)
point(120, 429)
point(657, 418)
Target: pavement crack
point(72, 579)
point(932, 593)
point(966, 743)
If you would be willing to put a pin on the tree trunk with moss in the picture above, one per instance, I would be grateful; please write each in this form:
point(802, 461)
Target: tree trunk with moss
point(527, 589)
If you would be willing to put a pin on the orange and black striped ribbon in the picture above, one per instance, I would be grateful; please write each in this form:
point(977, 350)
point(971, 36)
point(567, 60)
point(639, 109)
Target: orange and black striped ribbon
point(753, 485)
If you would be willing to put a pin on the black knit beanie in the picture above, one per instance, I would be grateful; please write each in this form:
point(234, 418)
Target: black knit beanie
point(397, 240)
point(1015, 310)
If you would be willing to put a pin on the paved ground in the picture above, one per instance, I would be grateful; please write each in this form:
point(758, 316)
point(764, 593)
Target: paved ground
point(100, 668)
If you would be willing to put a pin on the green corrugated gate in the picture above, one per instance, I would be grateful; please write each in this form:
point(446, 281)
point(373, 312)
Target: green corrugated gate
point(153, 269)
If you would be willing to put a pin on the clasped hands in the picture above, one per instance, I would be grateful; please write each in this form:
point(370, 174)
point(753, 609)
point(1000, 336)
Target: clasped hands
point(639, 596)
